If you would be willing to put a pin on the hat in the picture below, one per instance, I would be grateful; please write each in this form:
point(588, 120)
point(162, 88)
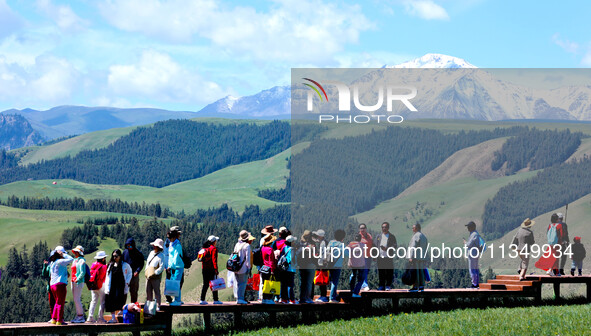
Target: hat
point(100, 255)
point(158, 242)
point(268, 229)
point(319, 233)
point(283, 229)
point(560, 215)
point(577, 239)
point(291, 239)
point(471, 224)
point(213, 238)
point(78, 249)
point(527, 223)
point(306, 235)
point(246, 236)
point(60, 249)
point(175, 228)
point(268, 239)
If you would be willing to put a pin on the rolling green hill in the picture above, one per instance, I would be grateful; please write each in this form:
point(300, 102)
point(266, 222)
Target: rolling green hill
point(235, 185)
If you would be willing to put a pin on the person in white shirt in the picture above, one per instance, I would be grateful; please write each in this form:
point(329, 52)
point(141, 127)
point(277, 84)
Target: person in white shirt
point(154, 269)
point(386, 242)
point(243, 249)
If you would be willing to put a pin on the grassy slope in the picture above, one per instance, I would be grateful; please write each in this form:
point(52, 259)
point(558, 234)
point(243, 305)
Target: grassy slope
point(19, 226)
point(235, 185)
point(545, 320)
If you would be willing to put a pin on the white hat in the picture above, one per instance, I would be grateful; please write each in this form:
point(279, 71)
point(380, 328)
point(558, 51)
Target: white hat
point(213, 238)
point(283, 229)
point(61, 249)
point(291, 239)
point(560, 215)
point(78, 249)
point(319, 233)
point(158, 242)
point(100, 255)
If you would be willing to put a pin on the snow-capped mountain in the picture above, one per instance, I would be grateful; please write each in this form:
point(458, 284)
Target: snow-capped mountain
point(267, 103)
point(433, 61)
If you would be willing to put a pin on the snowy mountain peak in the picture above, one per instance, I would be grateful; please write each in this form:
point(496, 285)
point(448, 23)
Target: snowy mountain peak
point(434, 61)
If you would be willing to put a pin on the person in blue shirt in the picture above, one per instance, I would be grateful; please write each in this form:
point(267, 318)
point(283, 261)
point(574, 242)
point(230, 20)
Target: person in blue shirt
point(473, 249)
point(336, 254)
point(175, 260)
point(288, 277)
point(58, 269)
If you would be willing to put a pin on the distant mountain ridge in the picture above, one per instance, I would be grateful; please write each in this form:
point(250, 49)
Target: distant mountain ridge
point(16, 132)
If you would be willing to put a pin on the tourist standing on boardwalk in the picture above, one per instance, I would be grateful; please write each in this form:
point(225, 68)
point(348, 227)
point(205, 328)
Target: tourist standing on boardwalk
point(287, 277)
point(385, 241)
point(244, 251)
point(135, 259)
point(367, 240)
point(46, 274)
point(523, 240)
point(579, 254)
point(175, 266)
point(59, 282)
point(268, 269)
point(78, 274)
point(418, 256)
point(356, 264)
point(336, 248)
point(209, 267)
point(320, 243)
point(473, 250)
point(307, 265)
point(98, 273)
point(119, 275)
point(154, 269)
point(565, 242)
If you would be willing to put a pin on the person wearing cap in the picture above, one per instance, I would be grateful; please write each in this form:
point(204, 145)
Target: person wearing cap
point(154, 269)
point(565, 242)
point(522, 241)
point(116, 285)
point(242, 248)
point(98, 273)
point(209, 267)
point(579, 254)
point(135, 259)
point(287, 278)
point(176, 266)
point(320, 243)
point(78, 273)
point(473, 251)
point(307, 265)
point(58, 269)
point(367, 240)
point(385, 241)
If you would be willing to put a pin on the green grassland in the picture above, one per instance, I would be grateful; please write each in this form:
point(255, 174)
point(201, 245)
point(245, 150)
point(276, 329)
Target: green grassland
point(544, 320)
point(235, 185)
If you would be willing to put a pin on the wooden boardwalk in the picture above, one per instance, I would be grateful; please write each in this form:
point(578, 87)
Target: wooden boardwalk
point(504, 286)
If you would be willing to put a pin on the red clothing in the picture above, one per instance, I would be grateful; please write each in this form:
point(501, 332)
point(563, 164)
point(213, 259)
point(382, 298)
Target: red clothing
point(59, 293)
point(99, 271)
point(559, 232)
point(212, 262)
point(269, 257)
point(368, 241)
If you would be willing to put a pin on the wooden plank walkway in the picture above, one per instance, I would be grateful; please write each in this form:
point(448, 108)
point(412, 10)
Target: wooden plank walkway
point(501, 287)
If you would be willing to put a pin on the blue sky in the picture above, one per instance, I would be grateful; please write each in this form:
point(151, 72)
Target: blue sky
point(182, 55)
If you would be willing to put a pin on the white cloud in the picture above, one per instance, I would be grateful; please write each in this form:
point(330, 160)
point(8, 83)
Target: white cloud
point(158, 76)
point(586, 61)
point(48, 80)
point(9, 21)
point(62, 15)
point(290, 30)
point(426, 9)
point(568, 46)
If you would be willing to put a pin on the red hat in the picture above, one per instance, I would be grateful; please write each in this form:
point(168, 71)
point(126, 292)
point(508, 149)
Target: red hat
point(577, 239)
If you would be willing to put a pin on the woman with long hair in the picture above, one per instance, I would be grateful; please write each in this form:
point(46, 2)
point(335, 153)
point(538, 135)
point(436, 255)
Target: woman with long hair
point(119, 275)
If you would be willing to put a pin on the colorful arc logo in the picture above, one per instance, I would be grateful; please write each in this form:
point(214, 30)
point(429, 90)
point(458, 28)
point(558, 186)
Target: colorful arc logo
point(315, 89)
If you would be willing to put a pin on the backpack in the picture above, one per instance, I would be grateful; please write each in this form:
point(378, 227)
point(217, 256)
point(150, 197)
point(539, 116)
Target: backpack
point(257, 257)
point(234, 263)
point(552, 234)
point(186, 259)
point(282, 263)
point(481, 244)
point(203, 255)
point(87, 277)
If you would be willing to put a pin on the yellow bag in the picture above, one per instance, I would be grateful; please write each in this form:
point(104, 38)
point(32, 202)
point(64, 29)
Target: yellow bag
point(272, 287)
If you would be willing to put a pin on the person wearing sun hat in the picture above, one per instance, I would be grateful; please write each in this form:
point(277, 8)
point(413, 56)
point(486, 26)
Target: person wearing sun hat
point(270, 261)
point(153, 273)
point(98, 273)
point(522, 241)
point(78, 273)
point(266, 231)
point(209, 267)
point(244, 251)
point(58, 269)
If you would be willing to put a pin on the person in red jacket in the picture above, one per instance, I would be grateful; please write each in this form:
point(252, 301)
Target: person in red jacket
point(98, 273)
point(270, 262)
point(209, 263)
